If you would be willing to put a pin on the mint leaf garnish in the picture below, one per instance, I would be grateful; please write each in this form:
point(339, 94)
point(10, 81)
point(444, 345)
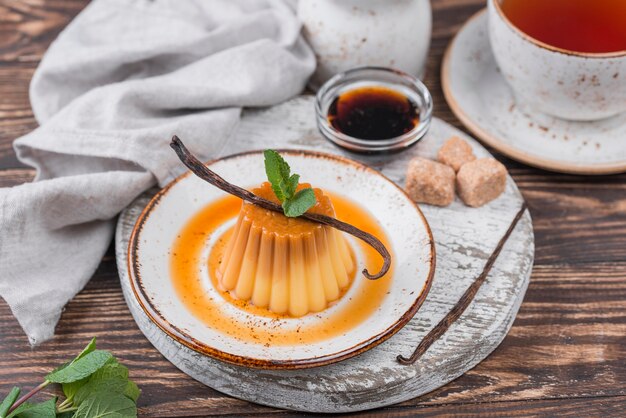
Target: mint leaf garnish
point(277, 171)
point(284, 184)
point(292, 184)
point(299, 203)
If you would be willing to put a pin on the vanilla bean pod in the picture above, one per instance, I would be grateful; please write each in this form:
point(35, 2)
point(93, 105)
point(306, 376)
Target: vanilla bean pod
point(465, 299)
point(199, 169)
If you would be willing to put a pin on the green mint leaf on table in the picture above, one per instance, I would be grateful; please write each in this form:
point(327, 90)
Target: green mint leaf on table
point(80, 367)
point(132, 391)
point(106, 404)
point(45, 409)
point(70, 389)
point(112, 378)
point(284, 184)
point(95, 385)
point(111, 369)
point(9, 401)
point(115, 384)
point(88, 349)
point(300, 203)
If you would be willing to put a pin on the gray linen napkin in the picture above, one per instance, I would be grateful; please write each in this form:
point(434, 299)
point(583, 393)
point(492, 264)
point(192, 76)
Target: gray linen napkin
point(112, 89)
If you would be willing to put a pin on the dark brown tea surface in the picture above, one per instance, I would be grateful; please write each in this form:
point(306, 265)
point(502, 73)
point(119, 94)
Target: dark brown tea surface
point(373, 113)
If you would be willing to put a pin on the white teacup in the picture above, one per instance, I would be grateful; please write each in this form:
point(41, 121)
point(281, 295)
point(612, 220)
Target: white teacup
point(566, 84)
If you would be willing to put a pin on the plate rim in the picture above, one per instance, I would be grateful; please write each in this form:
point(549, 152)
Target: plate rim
point(494, 142)
point(183, 338)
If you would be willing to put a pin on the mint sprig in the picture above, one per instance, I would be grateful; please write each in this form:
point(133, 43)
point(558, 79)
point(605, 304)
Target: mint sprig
point(94, 384)
point(35, 410)
point(80, 368)
point(9, 401)
point(284, 184)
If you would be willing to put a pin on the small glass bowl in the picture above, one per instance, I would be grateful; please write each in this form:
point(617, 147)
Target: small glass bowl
point(366, 77)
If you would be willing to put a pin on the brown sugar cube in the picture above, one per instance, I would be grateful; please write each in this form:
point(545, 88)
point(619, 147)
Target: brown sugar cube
point(480, 181)
point(455, 152)
point(430, 182)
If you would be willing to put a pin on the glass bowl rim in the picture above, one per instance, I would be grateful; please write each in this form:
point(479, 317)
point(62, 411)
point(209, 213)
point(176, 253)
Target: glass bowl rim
point(401, 141)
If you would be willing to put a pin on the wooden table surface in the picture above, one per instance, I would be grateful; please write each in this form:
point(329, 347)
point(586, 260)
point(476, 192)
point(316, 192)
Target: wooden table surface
point(566, 352)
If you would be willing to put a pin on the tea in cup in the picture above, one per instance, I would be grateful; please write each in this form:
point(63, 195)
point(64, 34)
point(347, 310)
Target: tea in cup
point(564, 58)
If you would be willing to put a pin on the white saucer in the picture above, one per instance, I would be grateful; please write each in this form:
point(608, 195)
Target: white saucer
point(479, 96)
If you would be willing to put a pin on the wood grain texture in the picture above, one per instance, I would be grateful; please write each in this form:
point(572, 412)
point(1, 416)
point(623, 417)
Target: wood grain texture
point(564, 355)
point(27, 27)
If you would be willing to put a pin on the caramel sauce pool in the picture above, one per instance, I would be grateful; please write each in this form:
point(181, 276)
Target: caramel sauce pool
point(373, 113)
point(267, 328)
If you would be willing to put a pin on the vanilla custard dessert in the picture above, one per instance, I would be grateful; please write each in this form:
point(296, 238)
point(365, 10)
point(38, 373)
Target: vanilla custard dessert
point(287, 265)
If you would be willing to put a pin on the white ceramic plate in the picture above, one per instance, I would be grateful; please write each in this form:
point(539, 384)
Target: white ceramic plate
point(480, 97)
point(167, 213)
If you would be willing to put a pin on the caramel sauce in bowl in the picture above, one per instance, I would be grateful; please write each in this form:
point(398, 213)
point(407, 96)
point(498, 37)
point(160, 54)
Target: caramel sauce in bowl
point(181, 237)
point(373, 110)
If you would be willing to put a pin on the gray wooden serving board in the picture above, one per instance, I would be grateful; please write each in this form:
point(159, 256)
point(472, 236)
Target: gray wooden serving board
point(464, 238)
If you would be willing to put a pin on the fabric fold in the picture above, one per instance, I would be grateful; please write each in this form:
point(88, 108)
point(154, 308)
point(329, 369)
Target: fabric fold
point(118, 82)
